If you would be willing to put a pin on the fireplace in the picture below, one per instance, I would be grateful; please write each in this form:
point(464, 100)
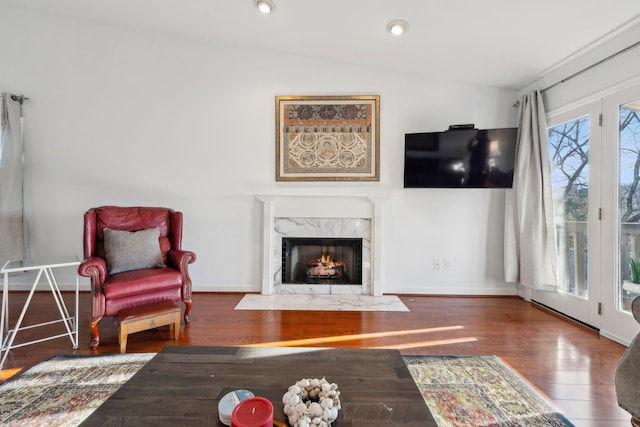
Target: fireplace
point(322, 217)
point(323, 261)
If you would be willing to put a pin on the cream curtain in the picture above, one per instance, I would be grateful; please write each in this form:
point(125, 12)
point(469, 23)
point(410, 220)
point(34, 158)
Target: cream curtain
point(12, 226)
point(531, 255)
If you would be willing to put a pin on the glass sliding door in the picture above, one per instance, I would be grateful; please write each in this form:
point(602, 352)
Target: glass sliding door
point(629, 196)
point(595, 158)
point(621, 212)
point(573, 148)
point(569, 154)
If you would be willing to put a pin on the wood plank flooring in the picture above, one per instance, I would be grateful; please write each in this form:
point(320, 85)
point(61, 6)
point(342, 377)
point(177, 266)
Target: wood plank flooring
point(570, 364)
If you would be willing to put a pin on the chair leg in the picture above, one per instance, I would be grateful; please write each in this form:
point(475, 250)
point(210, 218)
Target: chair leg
point(95, 333)
point(187, 310)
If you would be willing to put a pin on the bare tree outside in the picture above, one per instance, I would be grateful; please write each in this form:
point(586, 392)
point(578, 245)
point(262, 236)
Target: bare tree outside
point(629, 195)
point(569, 155)
point(629, 165)
point(569, 149)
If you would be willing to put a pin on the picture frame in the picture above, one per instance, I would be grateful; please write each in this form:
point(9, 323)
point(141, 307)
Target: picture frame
point(328, 138)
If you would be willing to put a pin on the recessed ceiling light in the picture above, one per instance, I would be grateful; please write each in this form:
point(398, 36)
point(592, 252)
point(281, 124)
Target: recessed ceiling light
point(265, 6)
point(398, 27)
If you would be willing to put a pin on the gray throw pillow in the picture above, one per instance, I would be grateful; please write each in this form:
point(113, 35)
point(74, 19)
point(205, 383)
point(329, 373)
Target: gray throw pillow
point(126, 250)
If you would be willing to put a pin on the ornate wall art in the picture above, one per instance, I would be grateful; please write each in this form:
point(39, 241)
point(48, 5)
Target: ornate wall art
point(327, 138)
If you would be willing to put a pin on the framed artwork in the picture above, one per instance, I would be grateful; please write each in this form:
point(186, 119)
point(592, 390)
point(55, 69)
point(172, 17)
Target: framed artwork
point(328, 138)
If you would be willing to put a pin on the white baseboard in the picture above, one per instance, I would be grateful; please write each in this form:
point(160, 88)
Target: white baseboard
point(614, 337)
point(43, 286)
point(255, 288)
point(497, 291)
point(226, 288)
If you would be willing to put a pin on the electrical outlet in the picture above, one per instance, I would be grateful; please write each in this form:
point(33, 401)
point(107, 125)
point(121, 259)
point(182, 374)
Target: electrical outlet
point(437, 263)
point(447, 263)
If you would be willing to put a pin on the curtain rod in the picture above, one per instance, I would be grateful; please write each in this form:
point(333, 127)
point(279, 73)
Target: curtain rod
point(613, 55)
point(19, 98)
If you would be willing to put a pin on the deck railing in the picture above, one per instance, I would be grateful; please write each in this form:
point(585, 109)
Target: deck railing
point(572, 256)
point(629, 246)
point(572, 253)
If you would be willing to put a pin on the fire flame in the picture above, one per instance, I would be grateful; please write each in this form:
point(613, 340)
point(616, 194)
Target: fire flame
point(327, 261)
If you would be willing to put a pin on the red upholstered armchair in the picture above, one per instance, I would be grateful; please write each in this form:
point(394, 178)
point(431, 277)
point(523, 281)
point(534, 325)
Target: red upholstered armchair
point(118, 245)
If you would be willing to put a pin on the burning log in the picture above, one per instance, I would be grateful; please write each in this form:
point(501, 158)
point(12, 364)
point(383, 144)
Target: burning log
point(326, 266)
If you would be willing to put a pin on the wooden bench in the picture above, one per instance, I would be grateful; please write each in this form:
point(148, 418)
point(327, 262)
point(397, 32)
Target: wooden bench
point(148, 317)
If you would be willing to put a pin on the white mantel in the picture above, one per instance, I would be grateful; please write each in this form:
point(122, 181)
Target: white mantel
point(321, 207)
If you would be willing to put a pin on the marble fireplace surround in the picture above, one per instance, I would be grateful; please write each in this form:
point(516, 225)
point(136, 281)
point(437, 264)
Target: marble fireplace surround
point(321, 216)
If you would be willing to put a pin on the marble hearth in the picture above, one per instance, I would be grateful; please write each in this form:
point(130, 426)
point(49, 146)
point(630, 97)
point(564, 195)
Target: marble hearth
point(320, 217)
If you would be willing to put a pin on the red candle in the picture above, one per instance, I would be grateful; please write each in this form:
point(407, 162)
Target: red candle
point(253, 412)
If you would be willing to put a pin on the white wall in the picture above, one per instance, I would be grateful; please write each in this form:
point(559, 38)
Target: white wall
point(127, 117)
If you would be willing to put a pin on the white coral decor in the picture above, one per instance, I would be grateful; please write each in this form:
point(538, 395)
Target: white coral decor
point(312, 403)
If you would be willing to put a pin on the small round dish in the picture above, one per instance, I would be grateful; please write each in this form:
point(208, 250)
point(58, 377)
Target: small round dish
point(229, 402)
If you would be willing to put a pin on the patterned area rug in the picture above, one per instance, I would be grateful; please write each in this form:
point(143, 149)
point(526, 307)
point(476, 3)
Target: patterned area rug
point(66, 389)
point(459, 391)
point(479, 391)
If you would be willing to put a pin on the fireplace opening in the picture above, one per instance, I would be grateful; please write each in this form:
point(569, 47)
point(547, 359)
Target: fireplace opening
point(332, 261)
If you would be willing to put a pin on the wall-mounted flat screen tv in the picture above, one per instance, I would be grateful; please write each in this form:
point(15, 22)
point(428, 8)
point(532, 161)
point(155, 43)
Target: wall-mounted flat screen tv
point(460, 158)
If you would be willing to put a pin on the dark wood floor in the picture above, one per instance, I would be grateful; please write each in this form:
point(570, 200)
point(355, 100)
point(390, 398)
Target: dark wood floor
point(570, 364)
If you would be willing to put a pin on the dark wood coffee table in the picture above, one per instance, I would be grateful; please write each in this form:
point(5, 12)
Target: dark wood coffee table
point(181, 385)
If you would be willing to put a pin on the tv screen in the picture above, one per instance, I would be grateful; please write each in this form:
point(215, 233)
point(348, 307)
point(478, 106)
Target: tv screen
point(460, 158)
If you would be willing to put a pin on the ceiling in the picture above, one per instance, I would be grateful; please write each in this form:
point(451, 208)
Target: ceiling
point(503, 43)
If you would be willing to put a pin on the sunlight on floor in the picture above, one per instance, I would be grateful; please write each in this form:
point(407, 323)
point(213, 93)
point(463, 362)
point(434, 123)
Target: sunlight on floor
point(427, 343)
point(5, 374)
point(353, 337)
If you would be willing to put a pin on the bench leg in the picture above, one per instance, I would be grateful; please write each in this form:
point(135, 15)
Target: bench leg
point(122, 337)
point(176, 327)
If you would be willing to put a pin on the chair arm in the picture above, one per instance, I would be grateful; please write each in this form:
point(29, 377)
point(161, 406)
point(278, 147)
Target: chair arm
point(180, 259)
point(95, 268)
point(626, 375)
point(635, 308)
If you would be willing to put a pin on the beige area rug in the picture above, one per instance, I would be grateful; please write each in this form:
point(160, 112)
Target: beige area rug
point(321, 302)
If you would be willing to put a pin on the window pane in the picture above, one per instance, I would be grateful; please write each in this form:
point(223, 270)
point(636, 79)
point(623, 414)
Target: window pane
point(569, 153)
point(629, 205)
